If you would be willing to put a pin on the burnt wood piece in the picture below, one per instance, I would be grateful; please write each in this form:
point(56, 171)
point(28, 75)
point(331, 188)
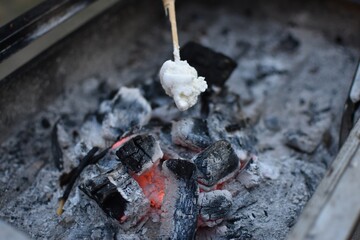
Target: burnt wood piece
point(180, 200)
point(192, 133)
point(214, 207)
point(55, 148)
point(140, 153)
point(214, 66)
point(119, 196)
point(216, 163)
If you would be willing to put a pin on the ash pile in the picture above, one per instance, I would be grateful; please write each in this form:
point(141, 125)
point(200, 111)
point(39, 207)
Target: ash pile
point(241, 164)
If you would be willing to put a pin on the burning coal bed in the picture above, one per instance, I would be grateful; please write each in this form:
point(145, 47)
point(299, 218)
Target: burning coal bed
point(150, 165)
point(137, 168)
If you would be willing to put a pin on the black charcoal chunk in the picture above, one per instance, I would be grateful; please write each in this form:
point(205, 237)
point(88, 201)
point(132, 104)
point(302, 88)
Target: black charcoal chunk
point(214, 206)
point(216, 163)
point(192, 133)
point(180, 200)
point(119, 196)
point(128, 109)
point(215, 67)
point(140, 153)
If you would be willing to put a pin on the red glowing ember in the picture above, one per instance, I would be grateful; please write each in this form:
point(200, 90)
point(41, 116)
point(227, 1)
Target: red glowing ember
point(119, 143)
point(153, 184)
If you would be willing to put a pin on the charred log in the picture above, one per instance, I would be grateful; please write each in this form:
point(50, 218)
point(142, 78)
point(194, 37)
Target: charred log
point(179, 206)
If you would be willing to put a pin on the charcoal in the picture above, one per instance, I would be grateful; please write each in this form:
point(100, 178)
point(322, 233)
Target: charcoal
point(119, 196)
point(214, 207)
point(301, 141)
point(215, 67)
point(216, 163)
point(128, 109)
point(180, 200)
point(192, 133)
point(140, 153)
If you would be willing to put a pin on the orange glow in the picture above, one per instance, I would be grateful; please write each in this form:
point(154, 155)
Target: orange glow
point(119, 143)
point(122, 219)
point(153, 184)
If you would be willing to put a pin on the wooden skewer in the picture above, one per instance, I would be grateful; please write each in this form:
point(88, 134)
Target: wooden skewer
point(169, 6)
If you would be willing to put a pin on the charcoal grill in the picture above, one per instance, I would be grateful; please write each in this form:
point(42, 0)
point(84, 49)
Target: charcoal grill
point(62, 45)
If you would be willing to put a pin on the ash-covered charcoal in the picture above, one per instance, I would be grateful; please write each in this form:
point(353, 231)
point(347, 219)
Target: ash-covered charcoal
point(128, 109)
point(192, 133)
point(179, 207)
point(119, 195)
point(91, 136)
point(140, 153)
point(216, 164)
point(214, 207)
point(215, 67)
point(301, 141)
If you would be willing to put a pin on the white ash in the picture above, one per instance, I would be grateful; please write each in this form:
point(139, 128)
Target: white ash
point(250, 177)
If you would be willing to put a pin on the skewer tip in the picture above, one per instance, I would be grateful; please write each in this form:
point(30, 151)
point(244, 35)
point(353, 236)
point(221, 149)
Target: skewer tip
point(60, 210)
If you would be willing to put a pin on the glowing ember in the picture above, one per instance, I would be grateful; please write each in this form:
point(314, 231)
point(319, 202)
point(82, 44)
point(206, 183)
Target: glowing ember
point(119, 143)
point(153, 184)
point(122, 219)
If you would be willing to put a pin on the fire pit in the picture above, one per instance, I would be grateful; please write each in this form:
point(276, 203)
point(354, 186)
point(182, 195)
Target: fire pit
point(241, 164)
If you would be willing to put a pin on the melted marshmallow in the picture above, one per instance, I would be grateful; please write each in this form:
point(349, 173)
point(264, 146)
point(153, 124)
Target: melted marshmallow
point(181, 82)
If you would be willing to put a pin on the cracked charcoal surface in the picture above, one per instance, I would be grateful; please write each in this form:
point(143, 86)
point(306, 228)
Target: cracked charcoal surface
point(139, 153)
point(280, 69)
point(215, 163)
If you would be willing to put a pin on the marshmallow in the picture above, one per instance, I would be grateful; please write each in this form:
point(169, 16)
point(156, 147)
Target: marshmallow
point(181, 82)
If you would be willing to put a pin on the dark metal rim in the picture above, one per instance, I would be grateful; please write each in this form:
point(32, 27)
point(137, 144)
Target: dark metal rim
point(26, 28)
